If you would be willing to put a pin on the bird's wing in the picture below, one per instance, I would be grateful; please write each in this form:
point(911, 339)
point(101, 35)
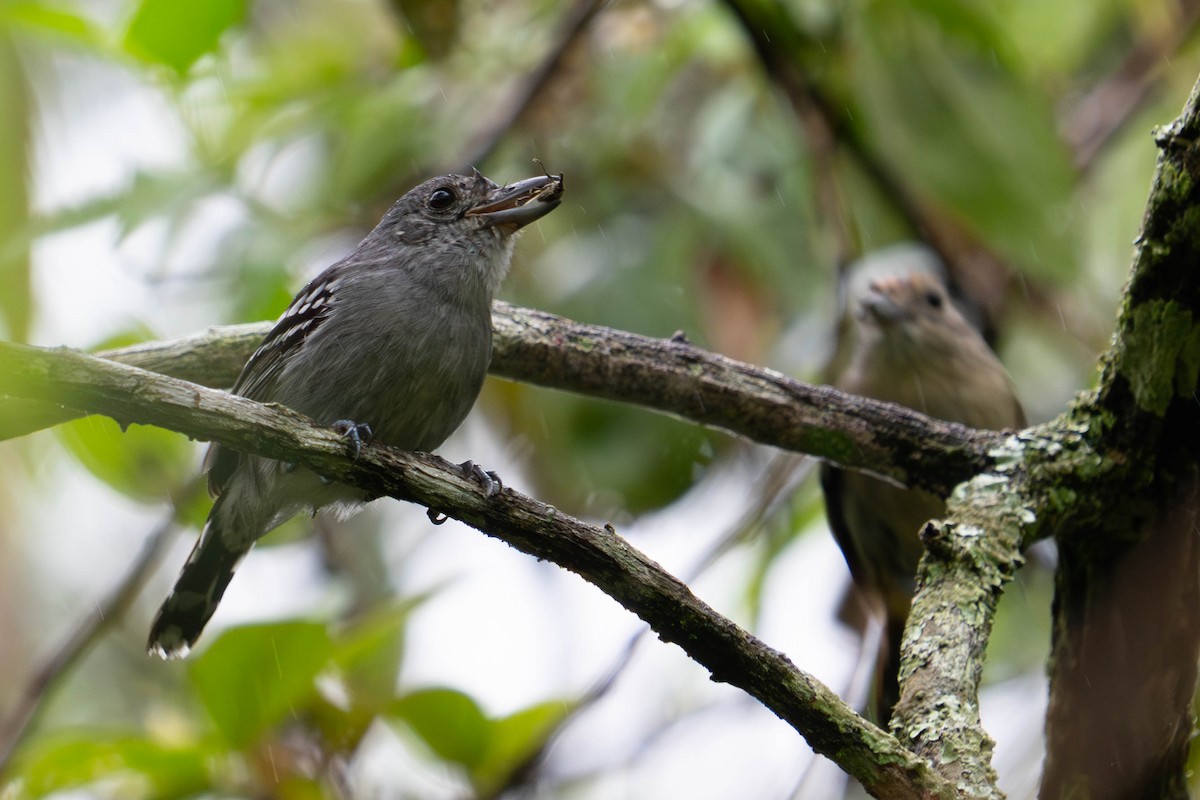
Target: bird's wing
point(258, 378)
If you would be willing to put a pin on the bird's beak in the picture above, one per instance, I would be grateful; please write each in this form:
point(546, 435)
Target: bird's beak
point(520, 203)
point(880, 301)
point(882, 308)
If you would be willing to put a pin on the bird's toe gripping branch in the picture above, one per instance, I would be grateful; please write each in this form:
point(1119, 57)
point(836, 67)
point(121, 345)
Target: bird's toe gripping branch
point(356, 435)
point(490, 481)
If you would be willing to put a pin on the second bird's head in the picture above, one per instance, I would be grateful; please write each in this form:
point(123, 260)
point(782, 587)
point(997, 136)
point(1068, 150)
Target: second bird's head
point(910, 312)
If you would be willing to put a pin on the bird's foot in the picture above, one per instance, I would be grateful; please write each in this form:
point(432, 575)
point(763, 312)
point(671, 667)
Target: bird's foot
point(356, 435)
point(490, 481)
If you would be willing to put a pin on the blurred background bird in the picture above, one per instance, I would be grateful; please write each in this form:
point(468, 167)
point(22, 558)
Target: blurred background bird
point(904, 340)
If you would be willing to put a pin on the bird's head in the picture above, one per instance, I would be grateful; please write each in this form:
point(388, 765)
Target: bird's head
point(911, 311)
point(466, 219)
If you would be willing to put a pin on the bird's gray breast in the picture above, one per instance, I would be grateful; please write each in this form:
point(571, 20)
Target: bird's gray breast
point(405, 356)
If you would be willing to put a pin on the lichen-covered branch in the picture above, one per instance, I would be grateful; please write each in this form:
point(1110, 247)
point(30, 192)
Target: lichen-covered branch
point(731, 654)
point(971, 556)
point(665, 375)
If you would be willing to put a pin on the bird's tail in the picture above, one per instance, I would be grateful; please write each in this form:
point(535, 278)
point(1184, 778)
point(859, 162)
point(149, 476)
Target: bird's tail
point(186, 611)
point(886, 689)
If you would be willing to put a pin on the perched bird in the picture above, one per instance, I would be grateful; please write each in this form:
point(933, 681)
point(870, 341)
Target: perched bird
point(391, 343)
point(911, 346)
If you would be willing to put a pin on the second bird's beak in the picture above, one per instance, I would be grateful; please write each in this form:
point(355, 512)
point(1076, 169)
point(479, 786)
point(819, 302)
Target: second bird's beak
point(520, 203)
point(880, 302)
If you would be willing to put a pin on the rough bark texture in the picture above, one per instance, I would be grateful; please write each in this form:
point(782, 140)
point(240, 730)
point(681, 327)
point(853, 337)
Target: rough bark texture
point(666, 375)
point(1125, 665)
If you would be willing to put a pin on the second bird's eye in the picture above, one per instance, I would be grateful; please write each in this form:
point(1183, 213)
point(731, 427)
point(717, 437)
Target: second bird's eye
point(441, 199)
point(934, 299)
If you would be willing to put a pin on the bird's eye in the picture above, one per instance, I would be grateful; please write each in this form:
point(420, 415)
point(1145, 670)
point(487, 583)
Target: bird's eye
point(934, 299)
point(441, 199)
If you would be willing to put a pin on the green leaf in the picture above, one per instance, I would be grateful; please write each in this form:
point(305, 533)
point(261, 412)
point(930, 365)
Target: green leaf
point(514, 740)
point(435, 23)
point(253, 676)
point(975, 137)
point(129, 765)
point(178, 32)
point(369, 655)
point(41, 18)
point(145, 463)
point(450, 722)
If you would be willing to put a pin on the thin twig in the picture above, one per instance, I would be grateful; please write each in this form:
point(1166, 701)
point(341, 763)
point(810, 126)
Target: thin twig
point(574, 24)
point(1093, 121)
point(109, 611)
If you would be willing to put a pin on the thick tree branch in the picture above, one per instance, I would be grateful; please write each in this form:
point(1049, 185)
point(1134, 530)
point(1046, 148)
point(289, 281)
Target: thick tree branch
point(1091, 478)
point(664, 375)
point(732, 655)
point(1130, 566)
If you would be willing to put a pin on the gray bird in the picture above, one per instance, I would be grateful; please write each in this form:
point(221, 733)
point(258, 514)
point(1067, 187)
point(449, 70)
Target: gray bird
point(392, 344)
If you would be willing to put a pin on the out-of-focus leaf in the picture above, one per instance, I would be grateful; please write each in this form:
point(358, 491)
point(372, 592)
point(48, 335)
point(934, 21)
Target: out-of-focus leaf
point(965, 22)
point(192, 507)
point(154, 196)
point(970, 134)
point(434, 22)
point(178, 32)
point(145, 463)
point(604, 458)
point(369, 655)
point(131, 766)
point(252, 676)
point(35, 17)
point(1060, 38)
point(126, 338)
point(294, 787)
point(450, 722)
point(15, 293)
point(514, 740)
point(384, 134)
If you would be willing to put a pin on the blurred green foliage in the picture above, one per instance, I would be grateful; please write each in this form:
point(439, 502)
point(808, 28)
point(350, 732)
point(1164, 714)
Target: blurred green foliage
point(698, 199)
point(253, 683)
point(176, 34)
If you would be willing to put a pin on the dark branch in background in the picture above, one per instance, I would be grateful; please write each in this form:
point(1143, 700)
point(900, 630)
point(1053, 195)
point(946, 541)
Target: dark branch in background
point(108, 611)
point(664, 375)
point(781, 483)
point(599, 555)
point(573, 26)
point(1093, 120)
point(783, 48)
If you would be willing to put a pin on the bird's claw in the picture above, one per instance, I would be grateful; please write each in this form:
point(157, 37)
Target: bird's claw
point(490, 481)
point(356, 435)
